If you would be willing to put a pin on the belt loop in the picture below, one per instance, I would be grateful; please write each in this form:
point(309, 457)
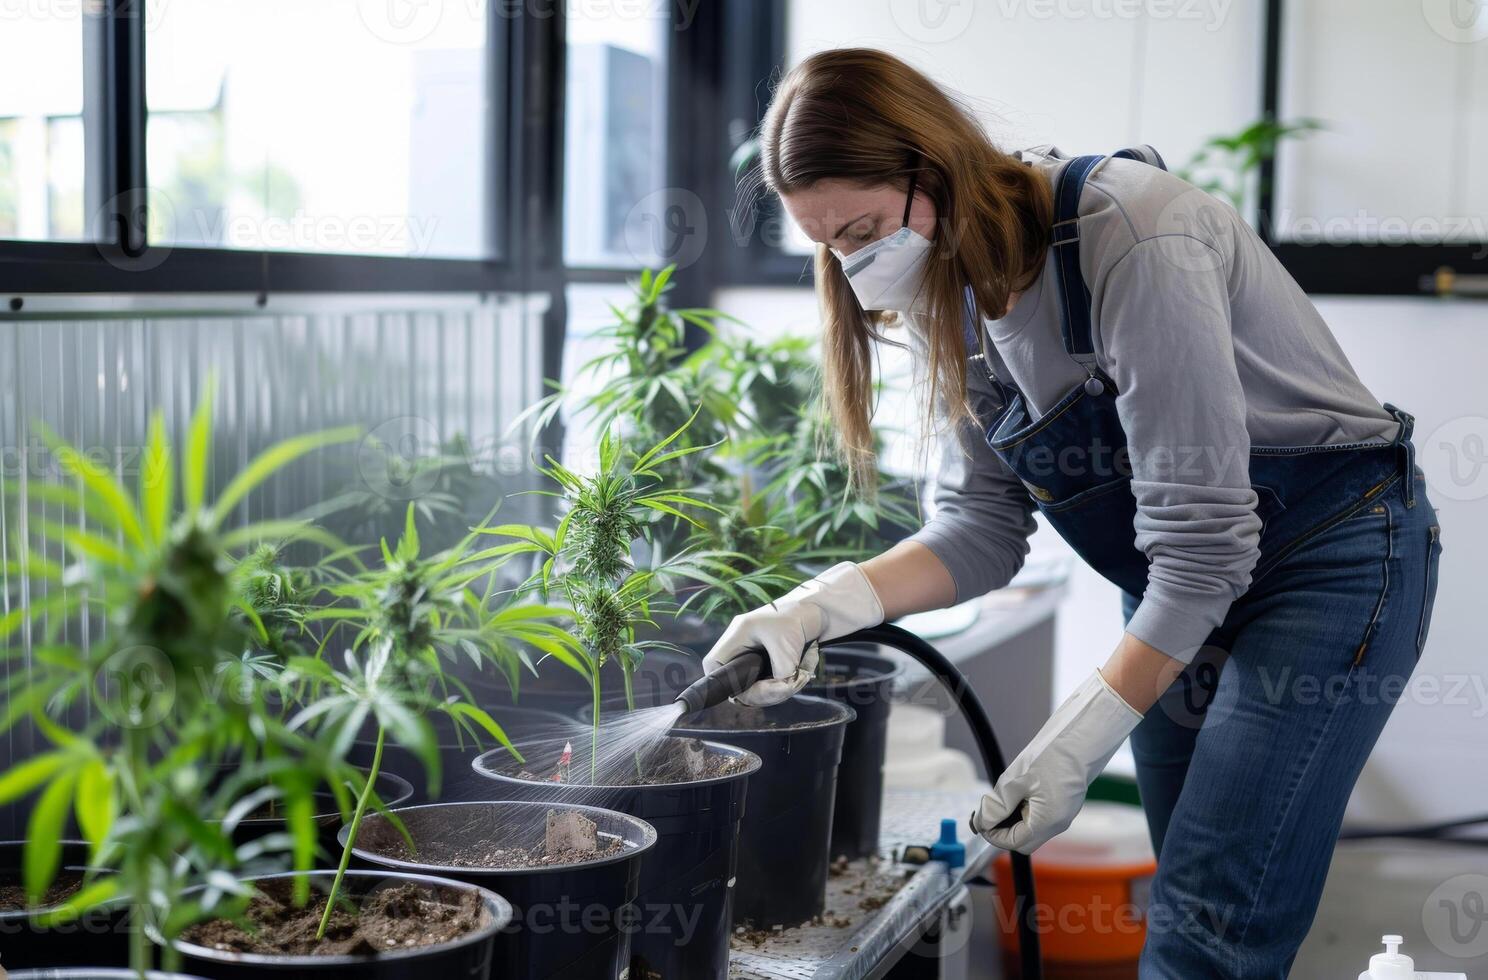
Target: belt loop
point(1408, 450)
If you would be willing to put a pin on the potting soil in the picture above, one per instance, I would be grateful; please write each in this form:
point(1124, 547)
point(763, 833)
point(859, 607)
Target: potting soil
point(13, 893)
point(389, 918)
point(476, 851)
point(665, 764)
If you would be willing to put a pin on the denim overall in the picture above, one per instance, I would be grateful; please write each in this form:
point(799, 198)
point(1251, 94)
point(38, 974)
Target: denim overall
point(1085, 494)
point(1238, 905)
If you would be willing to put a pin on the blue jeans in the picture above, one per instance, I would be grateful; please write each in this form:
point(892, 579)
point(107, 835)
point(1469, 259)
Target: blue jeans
point(1245, 764)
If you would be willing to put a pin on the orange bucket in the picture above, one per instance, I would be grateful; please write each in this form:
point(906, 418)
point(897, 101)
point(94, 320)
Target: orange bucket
point(1091, 886)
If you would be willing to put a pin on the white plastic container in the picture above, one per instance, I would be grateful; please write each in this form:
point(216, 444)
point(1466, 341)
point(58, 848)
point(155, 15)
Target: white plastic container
point(917, 757)
point(1395, 965)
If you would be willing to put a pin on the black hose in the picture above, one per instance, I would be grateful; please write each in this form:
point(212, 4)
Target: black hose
point(981, 730)
point(1431, 831)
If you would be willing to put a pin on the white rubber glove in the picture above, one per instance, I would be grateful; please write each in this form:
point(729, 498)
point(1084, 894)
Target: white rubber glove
point(1050, 777)
point(837, 602)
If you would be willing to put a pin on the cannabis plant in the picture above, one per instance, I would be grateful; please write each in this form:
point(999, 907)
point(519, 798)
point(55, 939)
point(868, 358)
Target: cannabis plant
point(396, 626)
point(754, 405)
point(786, 449)
point(740, 557)
point(588, 561)
point(647, 384)
point(771, 382)
point(445, 483)
point(155, 759)
point(815, 498)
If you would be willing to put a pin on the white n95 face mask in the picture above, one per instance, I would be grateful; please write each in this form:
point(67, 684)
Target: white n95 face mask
point(889, 274)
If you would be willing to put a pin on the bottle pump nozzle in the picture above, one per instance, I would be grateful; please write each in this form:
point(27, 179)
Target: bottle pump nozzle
point(1392, 964)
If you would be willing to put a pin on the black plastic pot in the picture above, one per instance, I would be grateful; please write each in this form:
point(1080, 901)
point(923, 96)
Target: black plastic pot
point(95, 973)
point(465, 958)
point(784, 838)
point(864, 681)
point(658, 679)
point(570, 921)
point(392, 789)
point(458, 783)
point(694, 635)
point(686, 889)
point(100, 936)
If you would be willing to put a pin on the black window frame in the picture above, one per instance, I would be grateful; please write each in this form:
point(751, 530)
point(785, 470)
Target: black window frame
point(710, 98)
point(750, 65)
point(719, 73)
point(1355, 268)
point(523, 127)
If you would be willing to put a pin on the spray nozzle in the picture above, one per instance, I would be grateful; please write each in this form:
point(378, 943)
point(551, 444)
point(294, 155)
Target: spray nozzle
point(725, 682)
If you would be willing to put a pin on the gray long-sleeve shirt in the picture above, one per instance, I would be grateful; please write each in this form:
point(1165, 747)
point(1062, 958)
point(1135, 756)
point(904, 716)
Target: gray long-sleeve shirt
point(1213, 348)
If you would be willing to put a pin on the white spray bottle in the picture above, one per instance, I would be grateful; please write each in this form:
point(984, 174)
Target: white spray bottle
point(1395, 965)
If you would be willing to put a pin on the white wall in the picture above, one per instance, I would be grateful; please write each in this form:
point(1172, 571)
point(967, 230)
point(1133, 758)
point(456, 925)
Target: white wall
point(1079, 74)
point(1093, 83)
point(1428, 357)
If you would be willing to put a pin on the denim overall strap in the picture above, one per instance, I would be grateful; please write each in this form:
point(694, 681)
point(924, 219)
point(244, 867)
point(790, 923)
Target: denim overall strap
point(976, 352)
point(970, 327)
point(1145, 153)
point(1407, 450)
point(1075, 322)
point(1075, 325)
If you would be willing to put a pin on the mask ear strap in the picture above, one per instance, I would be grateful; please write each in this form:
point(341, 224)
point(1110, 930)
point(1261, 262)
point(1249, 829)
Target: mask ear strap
point(914, 178)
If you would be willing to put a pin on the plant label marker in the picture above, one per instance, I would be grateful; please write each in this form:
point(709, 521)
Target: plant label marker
point(560, 775)
point(695, 758)
point(570, 832)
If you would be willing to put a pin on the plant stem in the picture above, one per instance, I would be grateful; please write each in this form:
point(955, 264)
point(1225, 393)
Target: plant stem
point(136, 869)
point(139, 943)
point(630, 706)
point(594, 731)
point(170, 959)
point(351, 836)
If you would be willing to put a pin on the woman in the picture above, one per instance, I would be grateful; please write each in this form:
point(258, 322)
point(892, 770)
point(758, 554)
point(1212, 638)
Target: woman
point(1119, 350)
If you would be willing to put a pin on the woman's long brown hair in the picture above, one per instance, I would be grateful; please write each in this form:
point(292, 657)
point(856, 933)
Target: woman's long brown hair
point(865, 116)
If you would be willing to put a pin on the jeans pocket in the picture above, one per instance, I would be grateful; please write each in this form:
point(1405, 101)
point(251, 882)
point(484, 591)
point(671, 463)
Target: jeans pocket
point(1428, 601)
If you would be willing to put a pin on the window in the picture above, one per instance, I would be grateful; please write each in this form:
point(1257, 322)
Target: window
point(318, 127)
point(1428, 124)
point(41, 123)
point(1385, 197)
point(617, 209)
